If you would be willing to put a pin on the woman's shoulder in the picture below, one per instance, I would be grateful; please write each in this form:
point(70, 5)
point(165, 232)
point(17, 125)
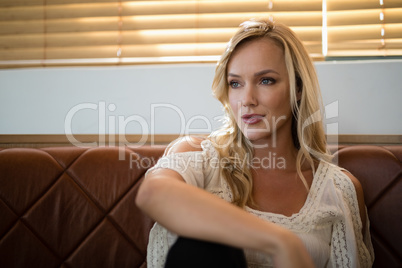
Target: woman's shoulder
point(345, 181)
point(342, 175)
point(191, 157)
point(185, 144)
point(190, 144)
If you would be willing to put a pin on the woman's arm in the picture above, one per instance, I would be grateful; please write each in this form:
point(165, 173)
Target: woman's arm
point(192, 212)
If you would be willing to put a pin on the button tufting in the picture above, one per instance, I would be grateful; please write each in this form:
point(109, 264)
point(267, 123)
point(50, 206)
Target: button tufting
point(75, 207)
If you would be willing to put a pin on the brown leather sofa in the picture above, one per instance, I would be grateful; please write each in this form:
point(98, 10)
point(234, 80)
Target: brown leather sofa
point(74, 207)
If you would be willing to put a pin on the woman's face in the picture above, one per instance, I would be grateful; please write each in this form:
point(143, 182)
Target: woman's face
point(259, 90)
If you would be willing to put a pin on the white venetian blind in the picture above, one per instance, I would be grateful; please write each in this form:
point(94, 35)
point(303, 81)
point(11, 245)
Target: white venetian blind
point(364, 28)
point(107, 32)
point(74, 32)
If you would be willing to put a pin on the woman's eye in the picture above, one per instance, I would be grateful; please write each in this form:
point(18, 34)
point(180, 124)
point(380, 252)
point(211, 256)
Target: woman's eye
point(234, 84)
point(267, 81)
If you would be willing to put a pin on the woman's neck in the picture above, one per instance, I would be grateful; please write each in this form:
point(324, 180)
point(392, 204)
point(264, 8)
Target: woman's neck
point(277, 152)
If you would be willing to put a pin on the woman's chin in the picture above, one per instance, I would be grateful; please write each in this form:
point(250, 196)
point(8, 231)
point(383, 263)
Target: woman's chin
point(259, 138)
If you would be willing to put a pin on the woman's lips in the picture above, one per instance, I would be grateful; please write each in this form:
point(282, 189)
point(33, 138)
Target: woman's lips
point(252, 119)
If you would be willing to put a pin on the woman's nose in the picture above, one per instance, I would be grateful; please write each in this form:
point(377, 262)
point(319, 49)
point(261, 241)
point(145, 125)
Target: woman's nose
point(249, 96)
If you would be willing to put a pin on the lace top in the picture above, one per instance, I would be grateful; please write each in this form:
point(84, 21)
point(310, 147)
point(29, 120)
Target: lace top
point(329, 222)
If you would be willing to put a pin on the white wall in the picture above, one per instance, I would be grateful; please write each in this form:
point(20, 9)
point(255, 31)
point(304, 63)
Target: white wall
point(364, 97)
point(369, 95)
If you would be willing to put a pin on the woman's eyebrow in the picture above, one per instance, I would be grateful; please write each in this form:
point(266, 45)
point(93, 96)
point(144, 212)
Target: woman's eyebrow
point(234, 75)
point(265, 72)
point(257, 73)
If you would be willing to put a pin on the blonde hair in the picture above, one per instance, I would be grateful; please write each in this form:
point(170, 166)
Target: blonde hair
point(307, 129)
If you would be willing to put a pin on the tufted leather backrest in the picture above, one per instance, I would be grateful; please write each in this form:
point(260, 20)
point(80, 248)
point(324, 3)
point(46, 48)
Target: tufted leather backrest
point(74, 207)
point(379, 170)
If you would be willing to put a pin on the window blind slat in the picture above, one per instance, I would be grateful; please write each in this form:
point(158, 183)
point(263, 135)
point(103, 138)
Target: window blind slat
point(372, 44)
point(22, 13)
point(22, 41)
point(366, 53)
point(59, 12)
point(61, 25)
point(25, 3)
point(13, 3)
point(364, 32)
point(21, 27)
point(22, 54)
point(359, 17)
point(361, 4)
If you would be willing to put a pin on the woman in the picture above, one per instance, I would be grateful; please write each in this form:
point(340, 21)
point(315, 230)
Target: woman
point(260, 192)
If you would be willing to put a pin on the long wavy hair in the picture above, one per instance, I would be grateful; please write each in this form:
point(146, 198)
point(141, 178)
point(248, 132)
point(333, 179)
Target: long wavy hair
point(307, 128)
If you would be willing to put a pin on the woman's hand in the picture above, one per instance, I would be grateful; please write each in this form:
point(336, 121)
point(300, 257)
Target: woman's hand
point(291, 253)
